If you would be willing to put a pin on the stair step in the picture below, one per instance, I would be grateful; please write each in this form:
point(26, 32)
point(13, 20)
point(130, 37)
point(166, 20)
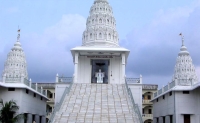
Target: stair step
point(97, 103)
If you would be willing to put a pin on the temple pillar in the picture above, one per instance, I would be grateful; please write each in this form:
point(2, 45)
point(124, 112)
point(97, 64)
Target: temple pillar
point(123, 68)
point(43, 119)
point(37, 118)
point(76, 67)
point(167, 119)
point(160, 119)
point(29, 118)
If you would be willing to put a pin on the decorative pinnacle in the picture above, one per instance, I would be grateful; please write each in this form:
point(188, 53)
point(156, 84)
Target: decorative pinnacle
point(18, 36)
point(182, 39)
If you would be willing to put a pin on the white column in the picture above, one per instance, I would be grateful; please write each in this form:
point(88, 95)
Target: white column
point(30, 83)
point(4, 77)
point(167, 119)
point(41, 90)
point(36, 86)
point(160, 119)
point(56, 78)
point(76, 68)
point(141, 79)
point(43, 119)
point(37, 118)
point(123, 68)
point(22, 78)
point(46, 92)
point(29, 118)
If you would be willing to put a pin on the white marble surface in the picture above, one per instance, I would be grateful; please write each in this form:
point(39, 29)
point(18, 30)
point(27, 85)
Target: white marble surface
point(97, 103)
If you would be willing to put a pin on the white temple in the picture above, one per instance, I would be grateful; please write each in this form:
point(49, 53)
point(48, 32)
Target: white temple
point(184, 68)
point(15, 86)
point(100, 48)
point(15, 65)
point(178, 101)
point(99, 92)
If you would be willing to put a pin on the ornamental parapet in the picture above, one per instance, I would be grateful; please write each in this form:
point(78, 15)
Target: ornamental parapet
point(132, 80)
point(176, 83)
point(24, 81)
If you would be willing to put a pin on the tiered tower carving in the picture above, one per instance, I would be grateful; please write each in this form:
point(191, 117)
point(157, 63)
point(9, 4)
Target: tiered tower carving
point(15, 65)
point(184, 68)
point(100, 26)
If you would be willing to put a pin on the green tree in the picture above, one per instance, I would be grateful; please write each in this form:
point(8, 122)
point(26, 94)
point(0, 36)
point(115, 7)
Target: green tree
point(8, 112)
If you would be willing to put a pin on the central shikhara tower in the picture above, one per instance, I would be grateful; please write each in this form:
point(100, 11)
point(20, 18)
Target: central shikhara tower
point(98, 93)
point(100, 48)
point(101, 26)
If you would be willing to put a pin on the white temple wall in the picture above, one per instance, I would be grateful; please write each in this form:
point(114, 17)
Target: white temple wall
point(163, 107)
point(27, 102)
point(115, 67)
point(31, 104)
point(10, 95)
point(59, 90)
point(84, 70)
point(136, 90)
point(185, 104)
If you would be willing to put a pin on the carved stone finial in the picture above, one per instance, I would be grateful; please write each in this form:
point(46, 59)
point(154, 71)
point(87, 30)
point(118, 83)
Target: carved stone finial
point(18, 36)
point(182, 39)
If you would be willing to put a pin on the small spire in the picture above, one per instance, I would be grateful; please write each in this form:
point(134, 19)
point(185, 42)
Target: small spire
point(182, 39)
point(18, 36)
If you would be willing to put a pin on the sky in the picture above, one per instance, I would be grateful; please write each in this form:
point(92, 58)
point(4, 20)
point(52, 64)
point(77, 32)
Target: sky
point(149, 29)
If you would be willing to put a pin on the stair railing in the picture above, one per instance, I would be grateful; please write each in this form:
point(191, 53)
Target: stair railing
point(135, 106)
point(59, 104)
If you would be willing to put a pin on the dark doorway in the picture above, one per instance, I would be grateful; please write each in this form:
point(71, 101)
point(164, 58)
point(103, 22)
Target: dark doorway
point(99, 65)
point(186, 118)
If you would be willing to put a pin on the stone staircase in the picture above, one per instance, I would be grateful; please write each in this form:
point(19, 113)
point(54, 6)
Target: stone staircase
point(96, 103)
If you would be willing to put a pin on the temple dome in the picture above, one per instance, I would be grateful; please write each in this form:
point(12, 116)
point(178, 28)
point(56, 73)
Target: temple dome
point(183, 51)
point(15, 65)
point(100, 26)
point(184, 68)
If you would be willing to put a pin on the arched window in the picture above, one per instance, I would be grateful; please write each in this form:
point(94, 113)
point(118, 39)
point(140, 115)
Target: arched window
point(108, 21)
point(92, 21)
point(100, 35)
point(100, 8)
point(100, 20)
point(109, 36)
point(90, 35)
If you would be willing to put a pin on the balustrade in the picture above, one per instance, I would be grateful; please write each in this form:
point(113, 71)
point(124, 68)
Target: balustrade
point(177, 82)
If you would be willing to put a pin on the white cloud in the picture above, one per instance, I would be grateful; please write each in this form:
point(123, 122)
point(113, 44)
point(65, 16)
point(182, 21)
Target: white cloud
point(154, 48)
point(49, 53)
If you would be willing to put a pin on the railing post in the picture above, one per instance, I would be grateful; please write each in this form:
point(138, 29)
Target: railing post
point(4, 78)
point(168, 85)
point(175, 82)
point(30, 83)
point(57, 78)
point(41, 90)
point(191, 81)
point(22, 78)
point(46, 92)
point(140, 79)
point(36, 86)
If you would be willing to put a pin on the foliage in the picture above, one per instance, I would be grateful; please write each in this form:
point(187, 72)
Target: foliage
point(8, 112)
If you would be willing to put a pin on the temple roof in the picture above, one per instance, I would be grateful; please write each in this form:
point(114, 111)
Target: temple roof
point(100, 26)
point(184, 68)
point(15, 65)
